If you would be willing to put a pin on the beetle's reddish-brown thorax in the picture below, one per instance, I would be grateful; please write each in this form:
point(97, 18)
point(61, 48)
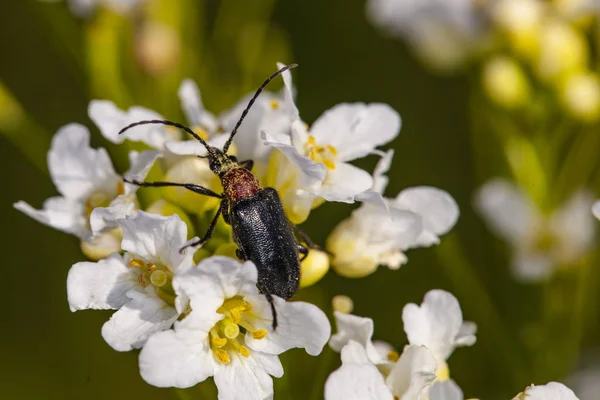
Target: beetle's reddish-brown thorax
point(239, 183)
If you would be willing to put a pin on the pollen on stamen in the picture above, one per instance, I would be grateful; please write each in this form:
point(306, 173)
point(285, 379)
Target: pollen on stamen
point(274, 104)
point(393, 356)
point(329, 164)
point(244, 351)
point(218, 342)
point(311, 140)
point(136, 264)
point(222, 356)
point(332, 150)
point(259, 334)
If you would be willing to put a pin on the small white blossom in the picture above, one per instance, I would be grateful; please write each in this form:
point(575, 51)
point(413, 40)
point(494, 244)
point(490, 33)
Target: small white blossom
point(138, 284)
point(84, 8)
point(93, 195)
point(549, 391)
point(438, 324)
point(312, 163)
point(378, 234)
point(209, 341)
point(540, 243)
point(442, 32)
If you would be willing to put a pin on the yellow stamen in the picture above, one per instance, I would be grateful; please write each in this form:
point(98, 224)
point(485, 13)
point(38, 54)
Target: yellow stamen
point(136, 264)
point(329, 164)
point(332, 150)
point(222, 356)
point(236, 314)
point(218, 342)
point(259, 334)
point(274, 104)
point(311, 140)
point(393, 356)
point(244, 351)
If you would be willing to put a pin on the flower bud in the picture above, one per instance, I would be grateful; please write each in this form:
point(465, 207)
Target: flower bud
point(521, 21)
point(314, 267)
point(343, 304)
point(192, 170)
point(102, 245)
point(163, 207)
point(562, 51)
point(580, 96)
point(505, 82)
point(158, 48)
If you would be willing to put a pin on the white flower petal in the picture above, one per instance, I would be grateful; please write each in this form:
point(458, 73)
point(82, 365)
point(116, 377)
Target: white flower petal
point(132, 324)
point(110, 120)
point(288, 94)
point(355, 130)
point(101, 285)
point(175, 359)
point(435, 324)
point(300, 325)
point(211, 282)
point(596, 209)
point(414, 373)
point(357, 378)
point(155, 238)
point(345, 182)
point(380, 180)
point(59, 213)
point(243, 378)
point(358, 329)
point(507, 210)
point(446, 390)
point(77, 169)
point(140, 165)
point(105, 218)
point(310, 173)
point(191, 104)
point(438, 209)
point(550, 391)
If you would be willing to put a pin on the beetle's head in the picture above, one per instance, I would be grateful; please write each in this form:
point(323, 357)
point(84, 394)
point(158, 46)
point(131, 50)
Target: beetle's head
point(219, 162)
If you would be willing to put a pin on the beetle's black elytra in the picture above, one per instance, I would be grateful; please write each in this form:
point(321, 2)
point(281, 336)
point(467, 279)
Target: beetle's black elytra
point(260, 227)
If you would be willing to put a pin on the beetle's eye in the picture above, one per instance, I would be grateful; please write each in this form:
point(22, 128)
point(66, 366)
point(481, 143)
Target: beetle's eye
point(233, 158)
point(213, 165)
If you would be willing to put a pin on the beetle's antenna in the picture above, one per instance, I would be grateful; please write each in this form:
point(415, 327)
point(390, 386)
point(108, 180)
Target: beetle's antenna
point(251, 102)
point(171, 123)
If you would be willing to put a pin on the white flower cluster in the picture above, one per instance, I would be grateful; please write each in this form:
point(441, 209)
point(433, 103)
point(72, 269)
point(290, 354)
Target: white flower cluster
point(192, 315)
point(375, 371)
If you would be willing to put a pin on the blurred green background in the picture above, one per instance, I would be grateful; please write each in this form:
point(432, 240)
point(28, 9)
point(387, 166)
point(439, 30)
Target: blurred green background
point(51, 353)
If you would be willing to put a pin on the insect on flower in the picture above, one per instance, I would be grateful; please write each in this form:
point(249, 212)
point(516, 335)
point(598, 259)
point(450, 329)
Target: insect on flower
point(260, 226)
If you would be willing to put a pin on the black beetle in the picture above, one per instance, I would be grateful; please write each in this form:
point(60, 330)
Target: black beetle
point(260, 227)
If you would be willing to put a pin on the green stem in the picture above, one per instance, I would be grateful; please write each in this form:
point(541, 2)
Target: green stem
point(464, 277)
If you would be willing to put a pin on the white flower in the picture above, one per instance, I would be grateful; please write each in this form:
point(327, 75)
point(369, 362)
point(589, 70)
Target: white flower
point(311, 163)
point(378, 234)
point(358, 378)
point(550, 391)
point(446, 390)
point(210, 341)
point(138, 284)
point(438, 325)
point(93, 195)
point(440, 31)
point(84, 8)
point(540, 243)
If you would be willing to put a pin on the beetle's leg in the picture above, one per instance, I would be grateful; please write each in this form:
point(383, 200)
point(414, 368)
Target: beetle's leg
point(248, 164)
point(240, 254)
point(189, 186)
point(208, 233)
point(225, 210)
point(302, 250)
point(307, 241)
point(272, 304)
